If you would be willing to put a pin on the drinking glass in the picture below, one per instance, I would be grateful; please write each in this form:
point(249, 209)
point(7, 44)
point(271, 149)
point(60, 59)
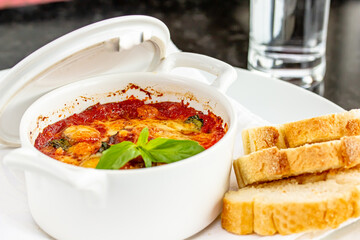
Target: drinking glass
point(288, 39)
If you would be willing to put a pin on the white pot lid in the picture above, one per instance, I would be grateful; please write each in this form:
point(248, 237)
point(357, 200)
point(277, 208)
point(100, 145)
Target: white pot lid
point(122, 44)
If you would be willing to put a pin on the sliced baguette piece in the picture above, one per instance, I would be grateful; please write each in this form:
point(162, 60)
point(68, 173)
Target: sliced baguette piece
point(288, 206)
point(258, 138)
point(273, 163)
point(294, 134)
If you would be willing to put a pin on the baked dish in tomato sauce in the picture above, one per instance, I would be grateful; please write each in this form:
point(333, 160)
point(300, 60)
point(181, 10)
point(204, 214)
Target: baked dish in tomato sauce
point(82, 138)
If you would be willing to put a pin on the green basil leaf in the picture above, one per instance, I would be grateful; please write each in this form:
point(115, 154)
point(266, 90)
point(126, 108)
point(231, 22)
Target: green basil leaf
point(118, 155)
point(171, 150)
point(157, 150)
point(143, 137)
point(148, 159)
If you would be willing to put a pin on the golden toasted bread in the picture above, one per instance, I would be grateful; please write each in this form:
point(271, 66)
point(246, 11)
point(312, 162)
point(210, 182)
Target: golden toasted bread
point(293, 205)
point(294, 134)
point(273, 163)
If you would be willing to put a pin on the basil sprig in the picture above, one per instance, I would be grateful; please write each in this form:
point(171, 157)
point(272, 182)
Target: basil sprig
point(161, 150)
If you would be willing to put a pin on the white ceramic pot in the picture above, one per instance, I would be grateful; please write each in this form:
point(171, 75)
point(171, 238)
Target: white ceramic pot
point(172, 201)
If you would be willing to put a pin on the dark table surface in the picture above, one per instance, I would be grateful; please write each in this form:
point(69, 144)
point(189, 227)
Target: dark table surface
point(211, 27)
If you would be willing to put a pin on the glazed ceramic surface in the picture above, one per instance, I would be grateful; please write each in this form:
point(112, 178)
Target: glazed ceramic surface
point(167, 202)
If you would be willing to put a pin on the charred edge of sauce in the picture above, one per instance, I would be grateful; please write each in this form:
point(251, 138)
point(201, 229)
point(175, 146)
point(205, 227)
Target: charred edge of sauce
point(85, 99)
point(39, 119)
point(149, 92)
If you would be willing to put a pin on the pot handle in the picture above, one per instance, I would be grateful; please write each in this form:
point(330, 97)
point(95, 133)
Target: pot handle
point(93, 184)
point(225, 74)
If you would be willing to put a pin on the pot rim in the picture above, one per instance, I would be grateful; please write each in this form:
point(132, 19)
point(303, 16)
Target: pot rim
point(229, 108)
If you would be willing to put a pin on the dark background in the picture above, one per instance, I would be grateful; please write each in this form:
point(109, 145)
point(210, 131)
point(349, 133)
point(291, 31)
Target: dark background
point(212, 27)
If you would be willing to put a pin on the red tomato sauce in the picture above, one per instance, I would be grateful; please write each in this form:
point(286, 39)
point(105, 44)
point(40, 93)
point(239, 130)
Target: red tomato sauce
point(212, 129)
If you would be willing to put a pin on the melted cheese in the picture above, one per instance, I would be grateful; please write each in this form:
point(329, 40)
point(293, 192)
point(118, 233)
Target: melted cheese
point(84, 149)
point(85, 141)
point(78, 133)
point(174, 129)
point(90, 162)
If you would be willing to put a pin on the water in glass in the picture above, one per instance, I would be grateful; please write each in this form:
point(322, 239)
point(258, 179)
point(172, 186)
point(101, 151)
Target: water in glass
point(288, 39)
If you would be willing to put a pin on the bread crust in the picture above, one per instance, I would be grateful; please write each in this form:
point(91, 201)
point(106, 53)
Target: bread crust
point(296, 177)
point(255, 139)
point(273, 163)
point(258, 213)
point(295, 134)
point(238, 217)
